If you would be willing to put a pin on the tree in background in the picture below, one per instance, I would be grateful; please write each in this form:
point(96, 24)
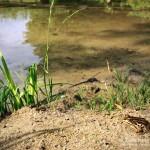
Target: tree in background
point(134, 4)
point(138, 4)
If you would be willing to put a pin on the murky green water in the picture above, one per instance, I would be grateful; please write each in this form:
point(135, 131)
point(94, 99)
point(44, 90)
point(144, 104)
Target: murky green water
point(83, 43)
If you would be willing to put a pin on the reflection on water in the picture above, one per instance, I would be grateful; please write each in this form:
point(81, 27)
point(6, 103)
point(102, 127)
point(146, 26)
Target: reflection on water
point(89, 38)
point(143, 14)
point(83, 43)
point(17, 53)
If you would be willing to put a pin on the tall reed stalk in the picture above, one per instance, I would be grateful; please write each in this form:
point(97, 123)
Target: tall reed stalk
point(11, 84)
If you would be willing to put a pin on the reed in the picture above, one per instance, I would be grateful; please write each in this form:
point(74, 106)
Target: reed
point(12, 87)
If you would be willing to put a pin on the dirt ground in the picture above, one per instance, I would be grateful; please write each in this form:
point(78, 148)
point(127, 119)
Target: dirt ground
point(59, 127)
point(71, 130)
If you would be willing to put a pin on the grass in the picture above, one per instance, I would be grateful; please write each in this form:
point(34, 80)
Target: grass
point(119, 95)
point(12, 99)
point(11, 89)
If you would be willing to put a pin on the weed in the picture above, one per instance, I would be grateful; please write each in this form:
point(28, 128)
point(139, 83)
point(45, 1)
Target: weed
point(122, 94)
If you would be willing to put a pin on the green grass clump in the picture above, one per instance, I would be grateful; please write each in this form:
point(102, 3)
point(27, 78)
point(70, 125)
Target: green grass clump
point(10, 90)
point(12, 99)
point(119, 95)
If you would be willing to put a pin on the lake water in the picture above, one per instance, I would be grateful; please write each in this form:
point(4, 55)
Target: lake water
point(17, 53)
point(80, 49)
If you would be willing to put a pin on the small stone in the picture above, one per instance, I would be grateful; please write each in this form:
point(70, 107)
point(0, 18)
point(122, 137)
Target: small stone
point(4, 126)
point(63, 96)
point(67, 119)
point(42, 148)
point(28, 147)
point(56, 145)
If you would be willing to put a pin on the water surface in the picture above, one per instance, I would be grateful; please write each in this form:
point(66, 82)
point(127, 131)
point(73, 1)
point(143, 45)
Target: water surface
point(81, 47)
point(17, 53)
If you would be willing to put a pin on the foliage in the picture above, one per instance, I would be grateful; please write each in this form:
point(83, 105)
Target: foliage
point(134, 4)
point(138, 4)
point(12, 99)
point(119, 95)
